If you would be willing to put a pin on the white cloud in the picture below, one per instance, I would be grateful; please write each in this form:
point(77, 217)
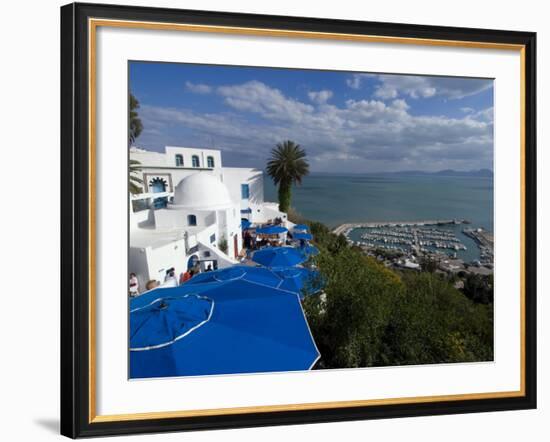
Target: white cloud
point(256, 97)
point(356, 80)
point(486, 115)
point(320, 97)
point(412, 86)
point(400, 104)
point(359, 135)
point(393, 86)
point(198, 88)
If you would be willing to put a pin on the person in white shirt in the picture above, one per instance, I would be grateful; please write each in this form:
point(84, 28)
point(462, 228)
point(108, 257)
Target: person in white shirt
point(134, 285)
point(170, 280)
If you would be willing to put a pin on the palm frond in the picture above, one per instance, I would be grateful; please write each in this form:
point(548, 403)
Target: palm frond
point(133, 180)
point(287, 163)
point(133, 188)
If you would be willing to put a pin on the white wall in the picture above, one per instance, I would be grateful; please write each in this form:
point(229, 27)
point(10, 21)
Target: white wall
point(167, 158)
point(141, 218)
point(150, 263)
point(229, 223)
point(233, 228)
point(170, 218)
point(217, 255)
point(162, 258)
point(204, 235)
point(137, 263)
point(234, 177)
point(262, 211)
point(267, 212)
point(163, 164)
point(189, 152)
point(147, 157)
point(30, 381)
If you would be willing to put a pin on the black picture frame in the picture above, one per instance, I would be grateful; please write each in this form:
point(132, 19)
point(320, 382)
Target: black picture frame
point(75, 221)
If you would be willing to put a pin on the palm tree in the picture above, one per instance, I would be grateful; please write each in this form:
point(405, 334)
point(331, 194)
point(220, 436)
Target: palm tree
point(287, 166)
point(135, 123)
point(134, 130)
point(133, 180)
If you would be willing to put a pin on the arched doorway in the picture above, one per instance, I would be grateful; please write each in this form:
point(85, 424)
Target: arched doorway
point(192, 261)
point(158, 185)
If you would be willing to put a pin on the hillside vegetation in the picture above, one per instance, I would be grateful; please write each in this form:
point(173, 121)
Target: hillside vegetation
point(374, 316)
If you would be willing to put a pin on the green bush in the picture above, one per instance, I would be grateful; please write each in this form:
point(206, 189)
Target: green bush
point(348, 323)
point(434, 323)
point(222, 245)
point(372, 316)
point(479, 288)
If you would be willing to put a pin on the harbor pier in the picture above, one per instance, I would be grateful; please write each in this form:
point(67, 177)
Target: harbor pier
point(346, 227)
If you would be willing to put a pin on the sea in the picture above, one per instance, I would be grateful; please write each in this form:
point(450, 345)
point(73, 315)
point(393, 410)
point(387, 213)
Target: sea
point(337, 199)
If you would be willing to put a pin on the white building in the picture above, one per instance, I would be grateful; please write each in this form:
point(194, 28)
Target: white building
point(189, 205)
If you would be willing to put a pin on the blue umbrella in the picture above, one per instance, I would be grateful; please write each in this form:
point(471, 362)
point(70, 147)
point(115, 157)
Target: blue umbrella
point(278, 256)
point(167, 319)
point(258, 275)
point(218, 328)
point(245, 224)
point(284, 278)
point(305, 236)
point(301, 227)
point(299, 280)
point(271, 230)
point(309, 250)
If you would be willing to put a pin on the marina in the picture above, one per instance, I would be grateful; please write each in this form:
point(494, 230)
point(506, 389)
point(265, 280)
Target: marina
point(347, 227)
point(412, 239)
point(485, 242)
point(447, 242)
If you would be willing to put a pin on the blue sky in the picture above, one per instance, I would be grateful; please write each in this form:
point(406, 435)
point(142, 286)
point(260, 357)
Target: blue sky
point(346, 122)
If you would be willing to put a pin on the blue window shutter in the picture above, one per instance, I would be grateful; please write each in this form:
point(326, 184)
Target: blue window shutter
point(245, 191)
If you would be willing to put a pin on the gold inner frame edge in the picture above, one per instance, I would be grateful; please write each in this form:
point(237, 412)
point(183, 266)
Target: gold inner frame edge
point(93, 24)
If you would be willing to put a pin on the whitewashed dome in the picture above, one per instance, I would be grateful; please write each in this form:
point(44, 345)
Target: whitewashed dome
point(201, 191)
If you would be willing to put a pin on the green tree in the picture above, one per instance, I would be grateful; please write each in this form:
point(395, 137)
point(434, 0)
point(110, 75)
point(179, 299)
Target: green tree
point(287, 166)
point(134, 181)
point(479, 288)
point(428, 264)
point(135, 124)
point(323, 236)
point(349, 320)
point(432, 323)
point(369, 315)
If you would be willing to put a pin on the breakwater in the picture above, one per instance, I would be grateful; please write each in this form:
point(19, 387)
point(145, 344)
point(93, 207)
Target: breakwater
point(346, 227)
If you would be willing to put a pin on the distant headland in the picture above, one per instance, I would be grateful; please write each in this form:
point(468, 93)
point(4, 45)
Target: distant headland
point(446, 172)
point(479, 173)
